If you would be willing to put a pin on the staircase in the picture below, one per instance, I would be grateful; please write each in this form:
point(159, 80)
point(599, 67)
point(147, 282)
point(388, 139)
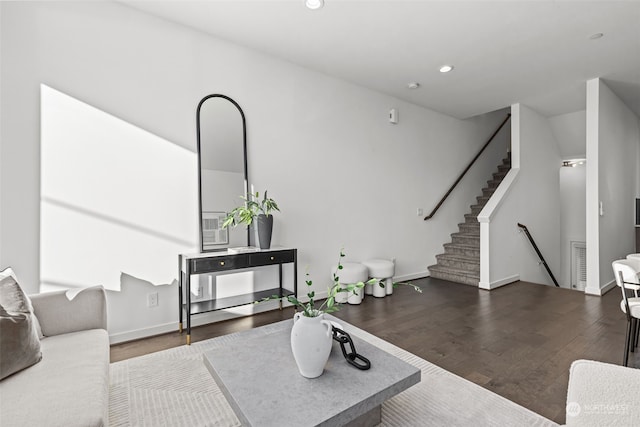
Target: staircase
point(460, 261)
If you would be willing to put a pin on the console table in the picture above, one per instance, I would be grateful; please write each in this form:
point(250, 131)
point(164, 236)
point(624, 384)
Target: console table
point(215, 262)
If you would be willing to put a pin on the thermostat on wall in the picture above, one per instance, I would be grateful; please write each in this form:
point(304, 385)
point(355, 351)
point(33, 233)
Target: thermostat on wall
point(393, 116)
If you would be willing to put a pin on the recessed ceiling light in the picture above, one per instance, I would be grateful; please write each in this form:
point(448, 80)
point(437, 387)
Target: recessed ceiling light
point(314, 4)
point(596, 36)
point(446, 68)
point(413, 85)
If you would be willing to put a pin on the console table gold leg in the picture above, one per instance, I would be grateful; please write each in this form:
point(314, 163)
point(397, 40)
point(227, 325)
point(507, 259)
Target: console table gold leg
point(188, 339)
point(180, 327)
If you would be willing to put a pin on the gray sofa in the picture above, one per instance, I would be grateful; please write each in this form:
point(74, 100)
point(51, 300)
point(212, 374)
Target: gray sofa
point(70, 385)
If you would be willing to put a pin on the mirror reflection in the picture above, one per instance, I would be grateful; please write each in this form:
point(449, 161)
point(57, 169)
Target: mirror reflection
point(222, 170)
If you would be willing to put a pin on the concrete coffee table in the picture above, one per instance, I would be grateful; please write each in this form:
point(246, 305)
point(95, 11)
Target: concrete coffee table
point(258, 375)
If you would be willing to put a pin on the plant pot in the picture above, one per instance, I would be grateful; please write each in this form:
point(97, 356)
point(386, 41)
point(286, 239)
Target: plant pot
point(311, 340)
point(265, 227)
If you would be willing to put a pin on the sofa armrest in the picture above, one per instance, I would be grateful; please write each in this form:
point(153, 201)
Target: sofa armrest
point(59, 315)
point(602, 394)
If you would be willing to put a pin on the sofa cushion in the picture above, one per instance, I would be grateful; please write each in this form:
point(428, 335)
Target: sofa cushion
point(19, 341)
point(69, 387)
point(9, 272)
point(61, 312)
point(601, 394)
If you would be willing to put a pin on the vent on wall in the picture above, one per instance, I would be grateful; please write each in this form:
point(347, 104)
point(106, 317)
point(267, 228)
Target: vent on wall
point(578, 265)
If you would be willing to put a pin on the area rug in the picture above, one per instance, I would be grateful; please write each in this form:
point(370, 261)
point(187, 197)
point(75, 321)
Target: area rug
point(174, 388)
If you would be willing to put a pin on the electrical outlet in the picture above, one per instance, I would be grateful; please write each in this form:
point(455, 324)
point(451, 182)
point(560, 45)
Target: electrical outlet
point(200, 293)
point(419, 212)
point(152, 299)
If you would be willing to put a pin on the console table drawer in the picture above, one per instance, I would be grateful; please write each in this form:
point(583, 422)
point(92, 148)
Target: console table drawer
point(207, 265)
point(268, 258)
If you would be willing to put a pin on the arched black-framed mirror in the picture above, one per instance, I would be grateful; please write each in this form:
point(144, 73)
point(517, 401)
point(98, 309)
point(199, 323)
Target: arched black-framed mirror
point(222, 170)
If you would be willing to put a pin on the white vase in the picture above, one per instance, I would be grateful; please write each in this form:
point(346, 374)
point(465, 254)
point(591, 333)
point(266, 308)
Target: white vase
point(311, 340)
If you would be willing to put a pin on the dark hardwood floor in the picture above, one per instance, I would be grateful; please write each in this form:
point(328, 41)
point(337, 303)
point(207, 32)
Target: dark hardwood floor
point(517, 341)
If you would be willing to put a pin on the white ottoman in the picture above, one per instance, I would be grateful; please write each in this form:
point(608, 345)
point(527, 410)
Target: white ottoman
point(382, 269)
point(352, 272)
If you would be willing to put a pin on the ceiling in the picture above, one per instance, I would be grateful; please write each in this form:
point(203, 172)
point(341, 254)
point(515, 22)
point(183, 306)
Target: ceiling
point(537, 52)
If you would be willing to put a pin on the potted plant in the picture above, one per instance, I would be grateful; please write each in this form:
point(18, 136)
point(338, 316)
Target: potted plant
point(311, 335)
point(258, 210)
point(329, 305)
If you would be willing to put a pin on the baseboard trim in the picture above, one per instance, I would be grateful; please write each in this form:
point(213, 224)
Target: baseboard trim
point(611, 285)
point(601, 291)
point(499, 283)
point(196, 320)
point(412, 276)
point(219, 316)
point(211, 317)
point(121, 337)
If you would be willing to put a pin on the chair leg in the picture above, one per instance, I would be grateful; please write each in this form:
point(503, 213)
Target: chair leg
point(626, 345)
point(637, 332)
point(634, 327)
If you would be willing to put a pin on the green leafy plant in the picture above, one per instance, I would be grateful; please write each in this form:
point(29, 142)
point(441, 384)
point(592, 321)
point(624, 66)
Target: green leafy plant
point(329, 305)
point(253, 206)
point(396, 284)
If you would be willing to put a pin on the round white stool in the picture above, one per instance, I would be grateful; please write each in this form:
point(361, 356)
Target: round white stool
point(382, 269)
point(352, 272)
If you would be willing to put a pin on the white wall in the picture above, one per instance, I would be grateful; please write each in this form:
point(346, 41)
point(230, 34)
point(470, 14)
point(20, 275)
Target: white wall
point(573, 219)
point(111, 195)
point(593, 184)
point(1, 135)
point(343, 176)
point(570, 131)
point(532, 198)
point(613, 136)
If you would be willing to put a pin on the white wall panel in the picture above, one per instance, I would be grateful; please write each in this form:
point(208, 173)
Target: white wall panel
point(341, 173)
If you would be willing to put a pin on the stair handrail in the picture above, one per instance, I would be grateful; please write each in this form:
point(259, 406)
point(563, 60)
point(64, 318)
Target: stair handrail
point(464, 172)
point(533, 243)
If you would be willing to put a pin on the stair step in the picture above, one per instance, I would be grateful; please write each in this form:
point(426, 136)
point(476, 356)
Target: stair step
point(488, 192)
point(473, 233)
point(482, 200)
point(471, 218)
point(453, 275)
point(459, 262)
point(466, 239)
point(475, 209)
point(462, 249)
point(473, 227)
point(493, 183)
point(499, 175)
